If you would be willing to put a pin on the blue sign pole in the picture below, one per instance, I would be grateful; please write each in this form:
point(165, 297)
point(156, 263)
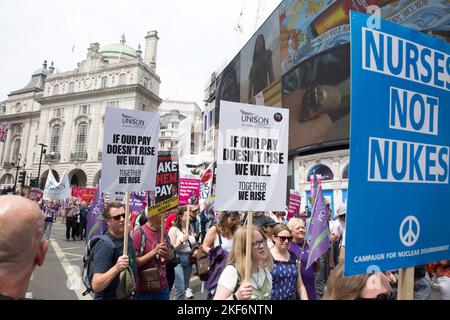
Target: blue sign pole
point(399, 148)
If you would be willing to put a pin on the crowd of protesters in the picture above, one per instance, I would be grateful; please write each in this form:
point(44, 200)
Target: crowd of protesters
point(73, 213)
point(162, 251)
point(279, 254)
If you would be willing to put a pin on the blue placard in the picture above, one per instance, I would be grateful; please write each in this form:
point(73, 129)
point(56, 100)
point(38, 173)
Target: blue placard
point(398, 214)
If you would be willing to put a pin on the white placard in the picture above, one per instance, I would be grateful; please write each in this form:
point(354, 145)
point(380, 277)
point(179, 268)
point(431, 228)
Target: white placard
point(130, 150)
point(252, 158)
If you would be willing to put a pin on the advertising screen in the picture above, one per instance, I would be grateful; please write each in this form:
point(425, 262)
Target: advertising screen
point(299, 59)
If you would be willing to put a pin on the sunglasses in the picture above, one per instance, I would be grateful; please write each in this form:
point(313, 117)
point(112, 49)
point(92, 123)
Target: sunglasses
point(117, 218)
point(284, 239)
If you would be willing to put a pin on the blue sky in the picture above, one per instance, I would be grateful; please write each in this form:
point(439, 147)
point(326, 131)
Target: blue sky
point(196, 37)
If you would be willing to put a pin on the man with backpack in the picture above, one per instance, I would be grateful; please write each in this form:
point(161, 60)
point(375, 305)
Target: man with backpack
point(107, 254)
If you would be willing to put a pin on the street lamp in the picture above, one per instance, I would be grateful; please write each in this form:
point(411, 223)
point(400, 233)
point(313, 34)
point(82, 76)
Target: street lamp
point(17, 166)
point(43, 151)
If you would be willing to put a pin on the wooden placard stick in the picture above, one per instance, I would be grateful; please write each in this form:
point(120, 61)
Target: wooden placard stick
point(127, 223)
point(406, 284)
point(188, 219)
point(248, 248)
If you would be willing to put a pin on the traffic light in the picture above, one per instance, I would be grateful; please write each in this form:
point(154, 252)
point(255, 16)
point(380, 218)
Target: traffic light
point(22, 175)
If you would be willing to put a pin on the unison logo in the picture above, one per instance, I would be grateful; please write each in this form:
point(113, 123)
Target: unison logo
point(132, 121)
point(253, 118)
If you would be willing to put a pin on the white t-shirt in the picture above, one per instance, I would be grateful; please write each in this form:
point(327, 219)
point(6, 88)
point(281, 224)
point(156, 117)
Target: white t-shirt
point(185, 246)
point(227, 244)
point(335, 226)
point(261, 282)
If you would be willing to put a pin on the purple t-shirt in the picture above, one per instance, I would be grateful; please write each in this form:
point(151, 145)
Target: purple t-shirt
point(307, 274)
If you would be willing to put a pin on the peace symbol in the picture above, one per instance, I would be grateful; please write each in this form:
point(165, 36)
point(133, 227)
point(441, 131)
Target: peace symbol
point(410, 237)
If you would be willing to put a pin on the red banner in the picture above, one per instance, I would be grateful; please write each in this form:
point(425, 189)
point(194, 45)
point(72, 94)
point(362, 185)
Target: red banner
point(85, 194)
point(35, 195)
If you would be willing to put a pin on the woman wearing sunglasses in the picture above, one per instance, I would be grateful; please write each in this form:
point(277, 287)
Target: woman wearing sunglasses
point(286, 282)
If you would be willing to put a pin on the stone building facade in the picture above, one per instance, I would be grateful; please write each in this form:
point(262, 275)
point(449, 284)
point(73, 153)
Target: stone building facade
point(62, 114)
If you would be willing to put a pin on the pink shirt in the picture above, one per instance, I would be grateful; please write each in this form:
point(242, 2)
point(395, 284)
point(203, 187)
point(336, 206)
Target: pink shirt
point(152, 240)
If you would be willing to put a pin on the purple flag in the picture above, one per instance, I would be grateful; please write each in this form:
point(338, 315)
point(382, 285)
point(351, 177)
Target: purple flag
point(138, 201)
point(318, 227)
point(96, 225)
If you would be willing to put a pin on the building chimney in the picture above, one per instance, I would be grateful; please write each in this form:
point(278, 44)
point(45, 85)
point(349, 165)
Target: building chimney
point(151, 46)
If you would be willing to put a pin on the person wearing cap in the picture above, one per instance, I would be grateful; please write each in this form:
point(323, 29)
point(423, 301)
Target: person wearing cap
point(266, 225)
point(340, 216)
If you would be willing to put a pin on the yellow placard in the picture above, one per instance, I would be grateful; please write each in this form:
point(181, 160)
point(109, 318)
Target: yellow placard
point(163, 206)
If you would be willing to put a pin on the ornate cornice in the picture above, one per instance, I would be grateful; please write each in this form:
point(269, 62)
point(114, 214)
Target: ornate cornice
point(101, 93)
point(20, 116)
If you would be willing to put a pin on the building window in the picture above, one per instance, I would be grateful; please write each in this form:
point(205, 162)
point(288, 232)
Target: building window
point(85, 109)
point(55, 138)
point(146, 82)
point(59, 112)
point(210, 119)
point(16, 150)
point(321, 171)
point(80, 143)
point(162, 144)
point(71, 87)
point(345, 172)
point(112, 104)
point(56, 89)
point(104, 83)
point(175, 125)
point(35, 140)
point(17, 129)
point(122, 79)
point(37, 125)
point(173, 144)
point(163, 134)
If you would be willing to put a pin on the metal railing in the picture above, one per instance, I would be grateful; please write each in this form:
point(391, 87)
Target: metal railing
point(78, 156)
point(56, 156)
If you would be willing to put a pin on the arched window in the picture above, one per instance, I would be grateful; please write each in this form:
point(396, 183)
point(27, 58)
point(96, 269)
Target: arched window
point(55, 138)
point(122, 79)
point(16, 150)
point(345, 172)
point(322, 170)
point(104, 83)
point(71, 87)
point(56, 89)
point(80, 143)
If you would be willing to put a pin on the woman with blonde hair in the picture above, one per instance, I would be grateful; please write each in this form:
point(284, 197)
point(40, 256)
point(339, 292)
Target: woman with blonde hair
point(231, 285)
point(373, 286)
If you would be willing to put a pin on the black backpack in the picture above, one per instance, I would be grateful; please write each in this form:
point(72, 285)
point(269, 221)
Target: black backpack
point(88, 266)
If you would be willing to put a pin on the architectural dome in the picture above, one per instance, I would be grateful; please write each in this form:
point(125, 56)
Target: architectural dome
point(118, 50)
point(39, 71)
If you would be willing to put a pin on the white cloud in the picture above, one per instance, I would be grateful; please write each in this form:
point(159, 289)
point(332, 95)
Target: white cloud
point(196, 37)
